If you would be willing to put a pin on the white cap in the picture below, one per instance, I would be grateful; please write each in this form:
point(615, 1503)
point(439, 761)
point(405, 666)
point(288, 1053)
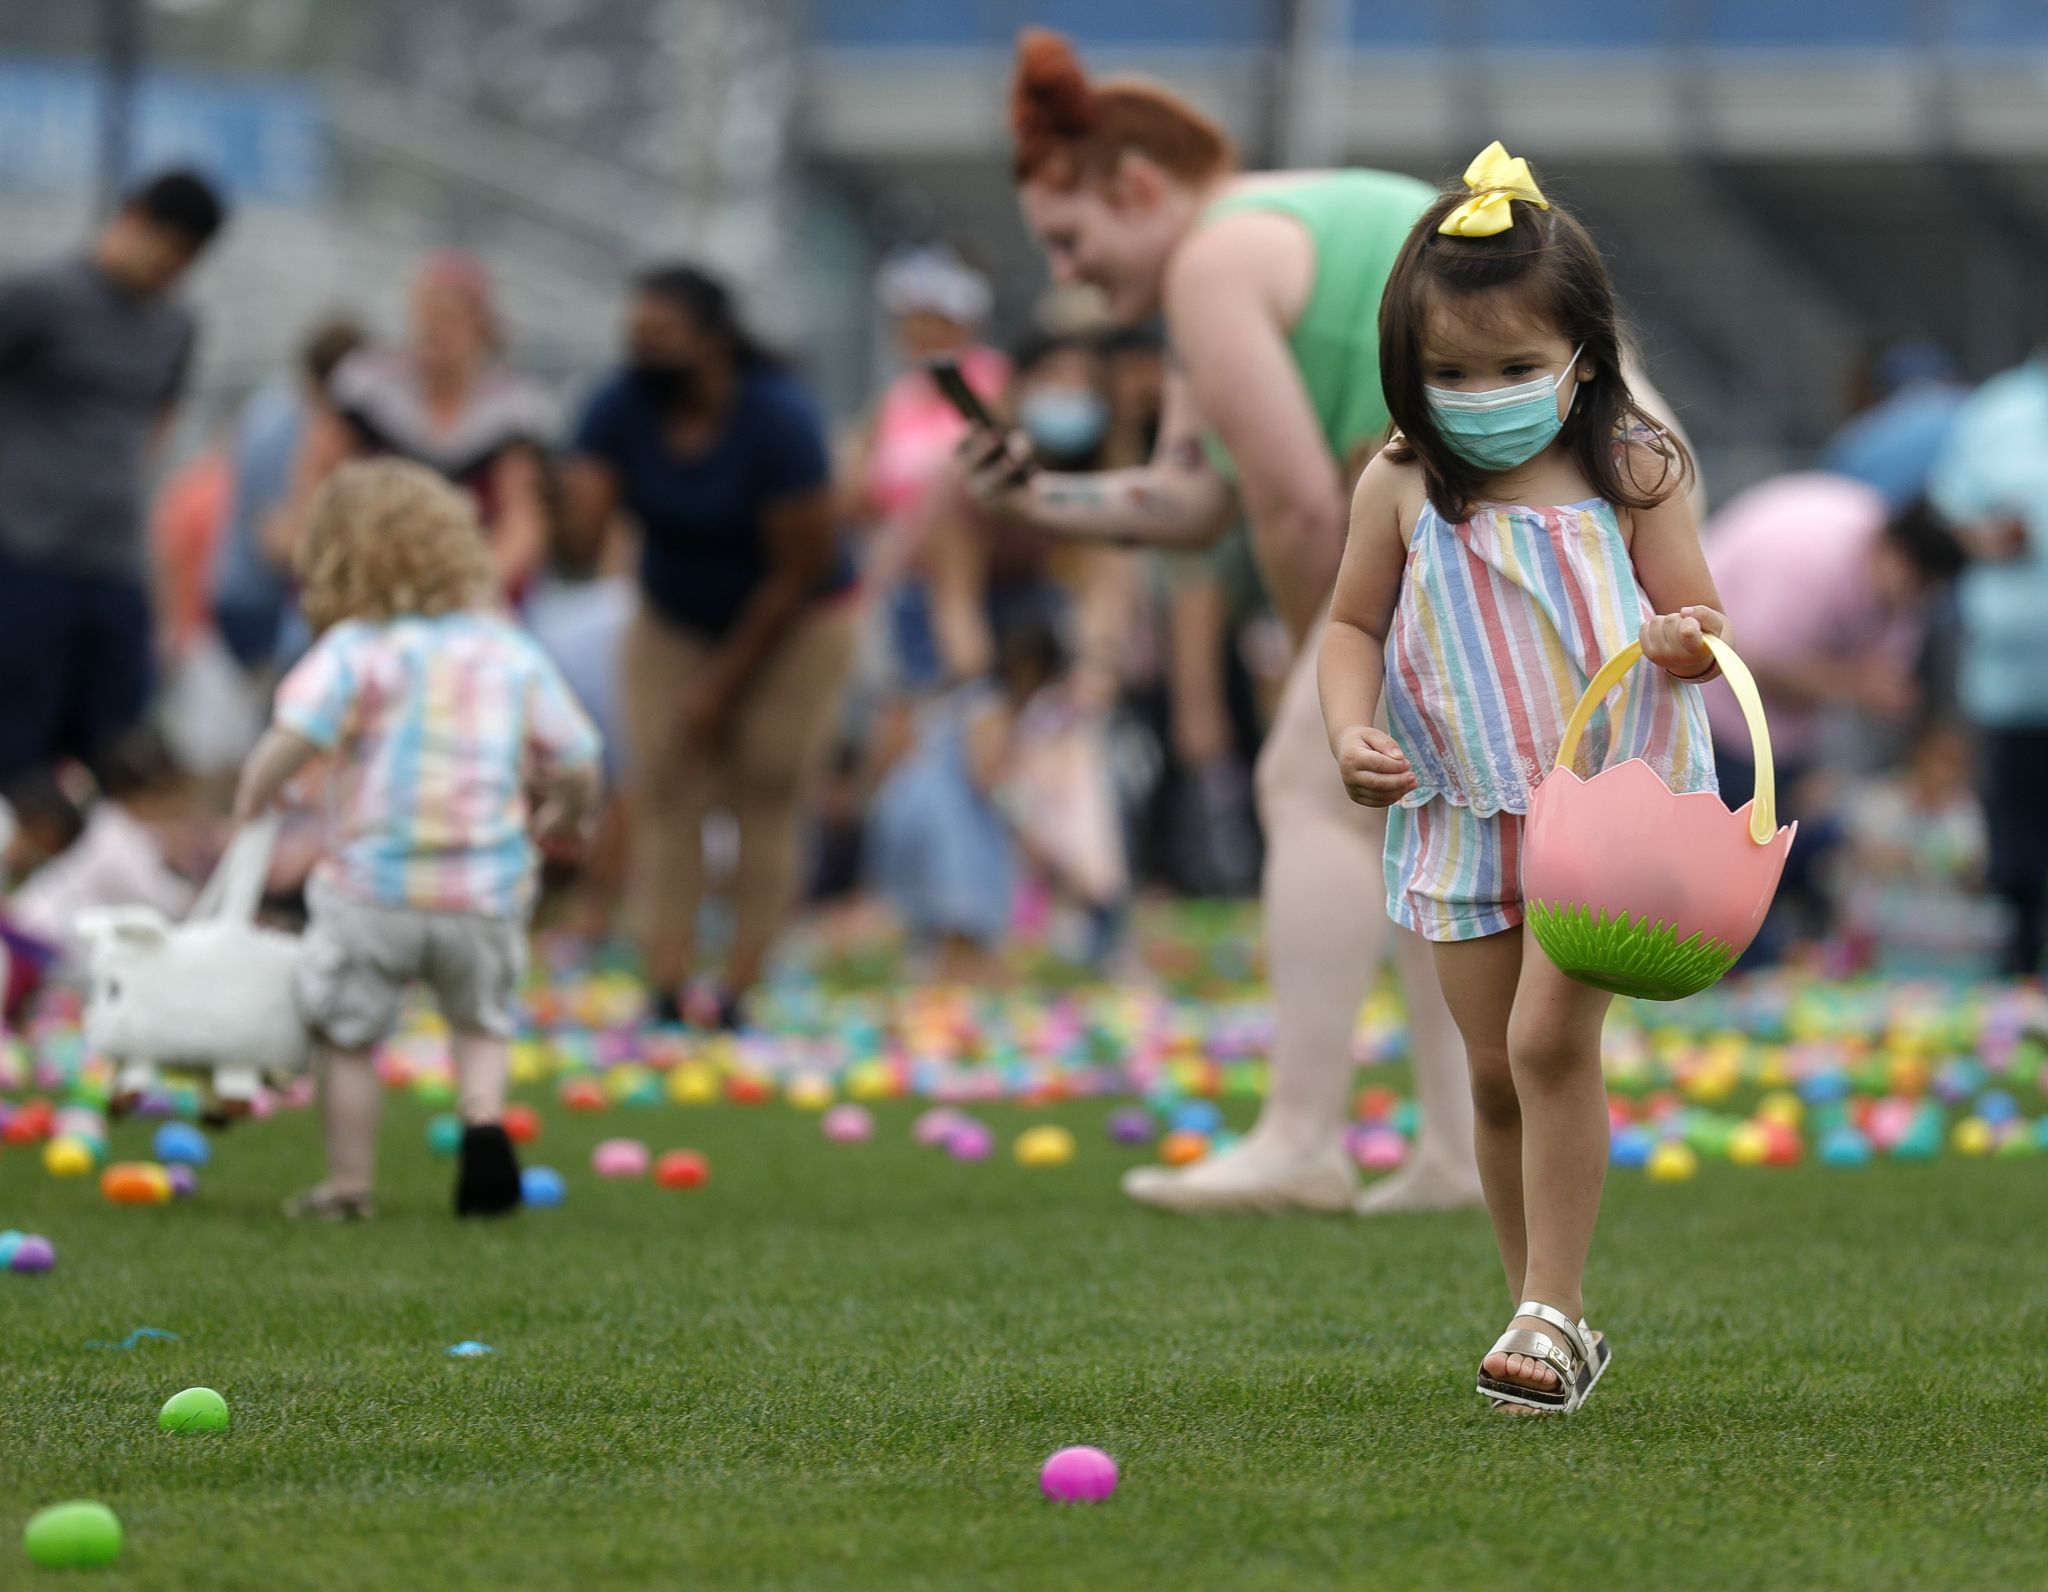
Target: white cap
point(935, 280)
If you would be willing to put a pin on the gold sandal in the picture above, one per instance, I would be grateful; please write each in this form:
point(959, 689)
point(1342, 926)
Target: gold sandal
point(1579, 1361)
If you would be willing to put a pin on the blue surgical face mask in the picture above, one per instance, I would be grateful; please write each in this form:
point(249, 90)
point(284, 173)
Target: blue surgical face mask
point(1503, 426)
point(1063, 422)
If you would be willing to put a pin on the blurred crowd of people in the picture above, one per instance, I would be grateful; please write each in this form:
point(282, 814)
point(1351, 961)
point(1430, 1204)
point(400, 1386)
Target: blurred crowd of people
point(823, 673)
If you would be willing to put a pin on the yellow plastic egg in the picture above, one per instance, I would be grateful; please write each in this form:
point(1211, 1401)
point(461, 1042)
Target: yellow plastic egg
point(67, 1158)
point(1672, 1162)
point(1749, 1144)
point(809, 1092)
point(1781, 1107)
point(1045, 1145)
point(693, 1084)
point(1972, 1136)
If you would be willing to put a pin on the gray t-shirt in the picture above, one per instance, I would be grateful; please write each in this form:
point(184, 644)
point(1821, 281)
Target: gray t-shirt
point(85, 369)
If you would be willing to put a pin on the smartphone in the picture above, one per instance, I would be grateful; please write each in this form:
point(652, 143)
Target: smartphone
point(945, 373)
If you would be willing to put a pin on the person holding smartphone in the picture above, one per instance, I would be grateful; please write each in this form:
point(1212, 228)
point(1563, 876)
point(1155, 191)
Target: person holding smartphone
point(1270, 286)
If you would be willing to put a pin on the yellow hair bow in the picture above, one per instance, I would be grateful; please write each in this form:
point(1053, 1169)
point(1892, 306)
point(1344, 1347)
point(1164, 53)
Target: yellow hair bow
point(1495, 177)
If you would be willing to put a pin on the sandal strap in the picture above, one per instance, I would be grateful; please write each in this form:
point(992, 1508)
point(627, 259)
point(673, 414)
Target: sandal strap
point(1574, 1332)
point(1538, 1346)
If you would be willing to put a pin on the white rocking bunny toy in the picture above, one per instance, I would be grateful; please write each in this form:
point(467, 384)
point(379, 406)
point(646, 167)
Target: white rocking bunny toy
point(215, 994)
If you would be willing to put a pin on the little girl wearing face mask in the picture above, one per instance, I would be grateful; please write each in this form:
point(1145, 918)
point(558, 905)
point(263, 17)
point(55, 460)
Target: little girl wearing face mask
point(1527, 521)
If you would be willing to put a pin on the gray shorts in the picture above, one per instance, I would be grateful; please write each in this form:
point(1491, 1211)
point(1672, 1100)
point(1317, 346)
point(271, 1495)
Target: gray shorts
point(358, 961)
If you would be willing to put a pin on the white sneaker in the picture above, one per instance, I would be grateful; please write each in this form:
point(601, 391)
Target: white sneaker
point(1248, 1177)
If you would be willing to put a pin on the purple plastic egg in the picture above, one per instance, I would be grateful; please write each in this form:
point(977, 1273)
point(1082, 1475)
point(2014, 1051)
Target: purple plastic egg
point(849, 1124)
point(1133, 1125)
point(971, 1141)
point(935, 1127)
point(34, 1253)
point(1078, 1476)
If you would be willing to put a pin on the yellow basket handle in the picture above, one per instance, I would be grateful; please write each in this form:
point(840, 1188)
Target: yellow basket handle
point(1763, 812)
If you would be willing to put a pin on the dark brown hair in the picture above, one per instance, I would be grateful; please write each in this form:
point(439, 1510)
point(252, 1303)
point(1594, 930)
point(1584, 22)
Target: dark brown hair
point(1069, 130)
point(1548, 267)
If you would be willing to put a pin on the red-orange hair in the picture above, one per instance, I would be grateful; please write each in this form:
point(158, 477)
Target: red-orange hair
point(1070, 131)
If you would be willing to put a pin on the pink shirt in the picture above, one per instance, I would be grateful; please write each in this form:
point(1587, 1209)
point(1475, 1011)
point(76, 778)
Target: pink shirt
point(916, 431)
point(1792, 560)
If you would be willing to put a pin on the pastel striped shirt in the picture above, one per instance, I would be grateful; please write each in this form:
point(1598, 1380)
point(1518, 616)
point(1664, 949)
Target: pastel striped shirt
point(1501, 622)
point(439, 725)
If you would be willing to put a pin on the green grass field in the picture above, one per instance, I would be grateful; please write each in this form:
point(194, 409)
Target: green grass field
point(842, 1367)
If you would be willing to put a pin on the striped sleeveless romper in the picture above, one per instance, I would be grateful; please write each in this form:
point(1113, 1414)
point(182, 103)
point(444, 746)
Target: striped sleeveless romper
point(1501, 622)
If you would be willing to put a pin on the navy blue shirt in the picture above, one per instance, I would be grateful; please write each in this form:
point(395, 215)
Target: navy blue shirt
point(703, 551)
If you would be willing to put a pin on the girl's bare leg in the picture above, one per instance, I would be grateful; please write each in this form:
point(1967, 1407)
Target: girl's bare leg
point(1480, 979)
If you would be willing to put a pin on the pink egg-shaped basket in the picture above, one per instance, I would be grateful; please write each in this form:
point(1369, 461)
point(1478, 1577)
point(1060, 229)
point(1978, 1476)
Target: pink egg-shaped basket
point(1632, 887)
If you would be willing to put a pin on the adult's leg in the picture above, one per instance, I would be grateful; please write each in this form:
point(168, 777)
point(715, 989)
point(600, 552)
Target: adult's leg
point(1441, 1173)
point(780, 747)
point(1326, 930)
point(115, 665)
point(38, 656)
point(668, 802)
point(2015, 800)
point(1554, 1054)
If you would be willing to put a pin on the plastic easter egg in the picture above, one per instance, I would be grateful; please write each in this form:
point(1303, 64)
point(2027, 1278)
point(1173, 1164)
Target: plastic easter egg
point(971, 1141)
point(1749, 1144)
point(80, 1535)
point(1844, 1147)
point(183, 1180)
point(183, 1143)
point(693, 1084)
point(1629, 1148)
point(522, 1124)
point(1046, 1145)
point(1378, 1149)
point(444, 1134)
point(1196, 1116)
point(135, 1183)
point(1971, 1136)
point(747, 1089)
point(1781, 1106)
point(2016, 1138)
point(542, 1187)
point(934, 1127)
point(1183, 1148)
point(1133, 1125)
point(848, 1124)
point(33, 1255)
point(10, 1241)
point(1997, 1106)
point(67, 1158)
point(1078, 1476)
point(197, 1409)
point(583, 1094)
point(682, 1169)
point(1671, 1162)
point(620, 1158)
point(809, 1092)
point(1782, 1145)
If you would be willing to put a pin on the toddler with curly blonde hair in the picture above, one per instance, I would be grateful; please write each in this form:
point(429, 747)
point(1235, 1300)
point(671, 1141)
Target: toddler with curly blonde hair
point(444, 720)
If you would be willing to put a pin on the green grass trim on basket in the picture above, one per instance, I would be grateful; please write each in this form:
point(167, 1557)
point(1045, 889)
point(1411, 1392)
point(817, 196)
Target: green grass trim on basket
point(1634, 958)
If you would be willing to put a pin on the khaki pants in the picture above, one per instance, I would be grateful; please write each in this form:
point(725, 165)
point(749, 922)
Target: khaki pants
point(779, 742)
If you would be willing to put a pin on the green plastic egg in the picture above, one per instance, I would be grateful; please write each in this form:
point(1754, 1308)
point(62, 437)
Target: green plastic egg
point(79, 1535)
